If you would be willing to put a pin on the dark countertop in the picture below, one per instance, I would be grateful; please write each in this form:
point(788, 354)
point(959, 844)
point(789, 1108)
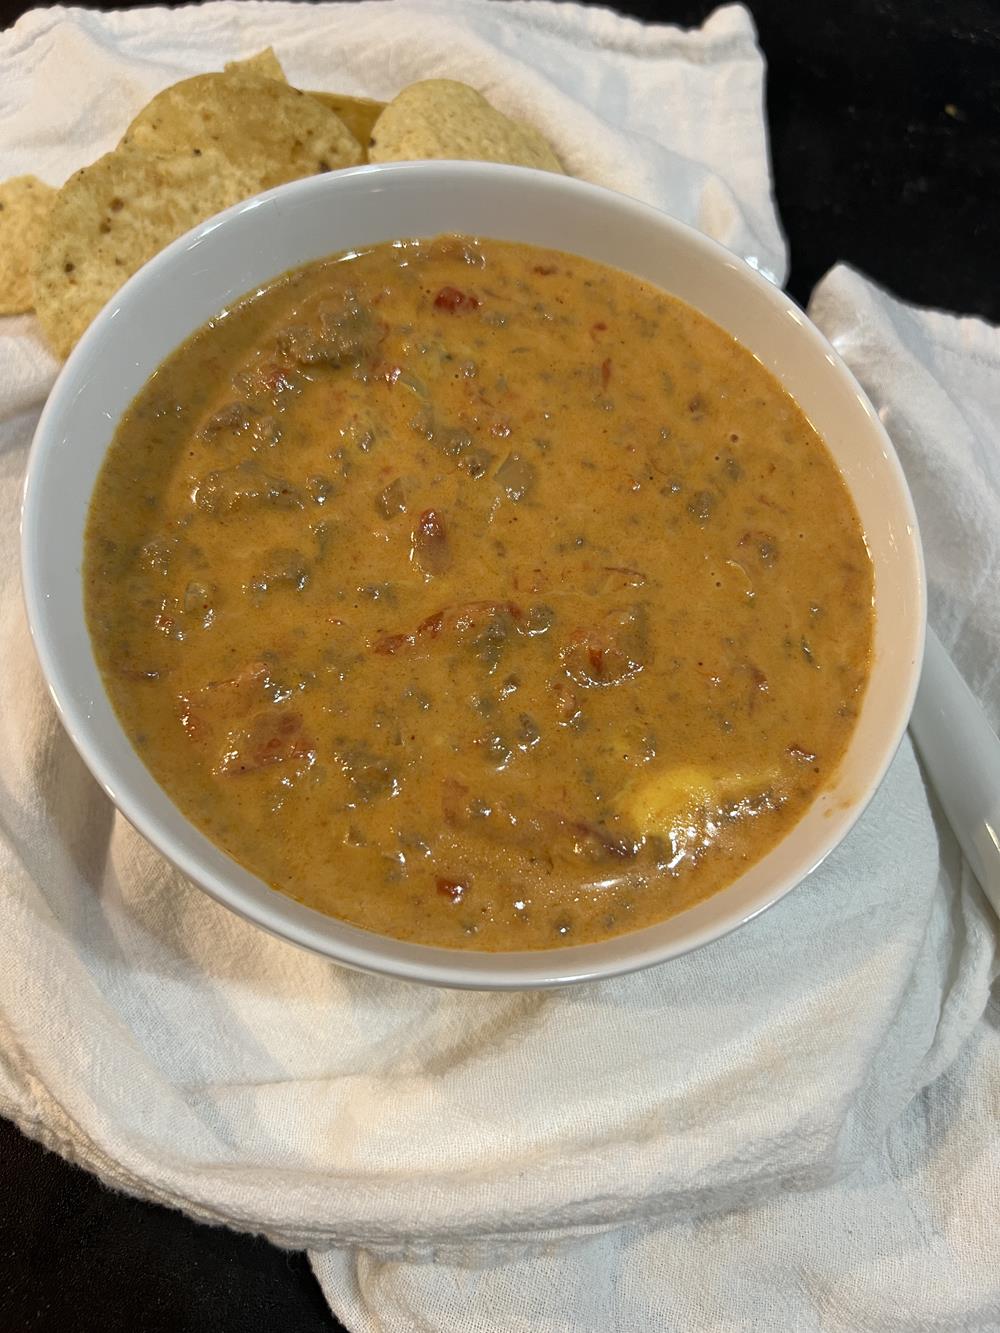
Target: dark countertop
point(885, 138)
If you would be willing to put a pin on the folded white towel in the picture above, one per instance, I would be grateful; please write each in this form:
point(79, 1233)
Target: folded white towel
point(186, 1056)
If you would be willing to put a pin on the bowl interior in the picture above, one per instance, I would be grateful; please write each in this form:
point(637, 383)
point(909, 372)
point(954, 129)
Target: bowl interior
point(228, 256)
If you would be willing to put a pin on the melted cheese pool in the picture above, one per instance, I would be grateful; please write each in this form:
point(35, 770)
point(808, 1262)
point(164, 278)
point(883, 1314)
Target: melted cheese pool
point(478, 595)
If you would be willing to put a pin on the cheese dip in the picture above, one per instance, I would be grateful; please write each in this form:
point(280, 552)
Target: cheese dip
point(478, 594)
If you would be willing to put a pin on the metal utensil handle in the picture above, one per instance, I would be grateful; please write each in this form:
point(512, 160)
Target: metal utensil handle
point(962, 756)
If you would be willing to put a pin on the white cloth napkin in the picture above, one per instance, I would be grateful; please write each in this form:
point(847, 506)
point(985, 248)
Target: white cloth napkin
point(894, 1225)
point(515, 1141)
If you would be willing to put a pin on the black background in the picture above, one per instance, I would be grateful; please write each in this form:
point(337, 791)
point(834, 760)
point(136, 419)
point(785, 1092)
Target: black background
point(884, 118)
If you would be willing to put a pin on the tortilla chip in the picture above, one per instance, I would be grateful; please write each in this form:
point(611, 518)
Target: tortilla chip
point(359, 114)
point(265, 64)
point(110, 218)
point(267, 127)
point(24, 205)
point(440, 118)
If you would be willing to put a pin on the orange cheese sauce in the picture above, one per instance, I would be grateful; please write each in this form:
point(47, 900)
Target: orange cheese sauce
point(478, 595)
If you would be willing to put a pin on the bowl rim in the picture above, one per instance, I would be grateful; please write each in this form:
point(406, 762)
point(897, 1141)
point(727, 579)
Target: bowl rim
point(337, 940)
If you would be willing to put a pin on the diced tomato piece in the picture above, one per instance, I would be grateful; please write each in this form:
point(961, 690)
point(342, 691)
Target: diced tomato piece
point(389, 644)
point(453, 300)
point(272, 737)
point(458, 619)
point(452, 888)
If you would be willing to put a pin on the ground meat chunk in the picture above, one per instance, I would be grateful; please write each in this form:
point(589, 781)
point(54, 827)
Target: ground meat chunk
point(246, 486)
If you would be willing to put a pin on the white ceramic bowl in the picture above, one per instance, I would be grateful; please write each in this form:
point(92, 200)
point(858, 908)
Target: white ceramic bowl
point(229, 255)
